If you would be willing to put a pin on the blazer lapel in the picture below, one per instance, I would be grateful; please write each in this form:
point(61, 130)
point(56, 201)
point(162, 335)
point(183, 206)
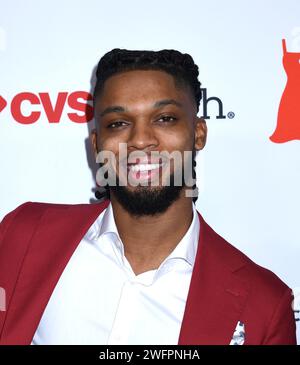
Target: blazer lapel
point(216, 296)
point(56, 237)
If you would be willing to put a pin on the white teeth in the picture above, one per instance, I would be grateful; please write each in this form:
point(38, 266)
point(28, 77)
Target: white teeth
point(142, 167)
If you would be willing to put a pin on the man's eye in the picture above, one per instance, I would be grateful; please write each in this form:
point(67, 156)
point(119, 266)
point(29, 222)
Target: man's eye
point(117, 124)
point(167, 118)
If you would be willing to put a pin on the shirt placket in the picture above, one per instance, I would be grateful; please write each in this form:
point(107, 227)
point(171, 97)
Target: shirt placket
point(125, 315)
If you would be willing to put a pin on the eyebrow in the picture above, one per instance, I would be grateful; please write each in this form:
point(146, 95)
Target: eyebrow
point(157, 104)
point(164, 102)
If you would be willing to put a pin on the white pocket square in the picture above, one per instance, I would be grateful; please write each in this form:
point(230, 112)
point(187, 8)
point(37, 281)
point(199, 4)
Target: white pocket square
point(238, 337)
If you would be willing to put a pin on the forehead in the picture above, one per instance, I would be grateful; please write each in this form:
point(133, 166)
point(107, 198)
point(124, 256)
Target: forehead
point(142, 87)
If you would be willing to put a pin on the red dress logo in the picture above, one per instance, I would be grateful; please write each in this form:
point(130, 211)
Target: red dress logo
point(288, 120)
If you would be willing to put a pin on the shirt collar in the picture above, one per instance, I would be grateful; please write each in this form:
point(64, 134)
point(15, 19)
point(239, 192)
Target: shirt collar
point(105, 223)
point(186, 249)
point(108, 222)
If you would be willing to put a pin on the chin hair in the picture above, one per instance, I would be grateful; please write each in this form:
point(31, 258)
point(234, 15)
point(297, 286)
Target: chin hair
point(145, 200)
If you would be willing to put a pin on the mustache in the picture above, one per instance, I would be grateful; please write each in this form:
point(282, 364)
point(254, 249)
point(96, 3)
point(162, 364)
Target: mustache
point(138, 157)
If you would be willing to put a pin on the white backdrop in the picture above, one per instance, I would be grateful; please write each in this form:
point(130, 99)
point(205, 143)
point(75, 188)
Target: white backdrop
point(249, 186)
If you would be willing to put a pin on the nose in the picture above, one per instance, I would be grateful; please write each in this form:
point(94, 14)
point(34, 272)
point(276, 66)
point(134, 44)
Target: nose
point(142, 137)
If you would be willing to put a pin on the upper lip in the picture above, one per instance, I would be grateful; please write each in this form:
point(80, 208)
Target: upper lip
point(145, 161)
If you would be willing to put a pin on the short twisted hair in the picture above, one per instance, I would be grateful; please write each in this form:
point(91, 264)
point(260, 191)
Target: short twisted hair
point(180, 65)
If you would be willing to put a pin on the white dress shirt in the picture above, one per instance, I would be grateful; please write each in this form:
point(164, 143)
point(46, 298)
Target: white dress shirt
point(99, 300)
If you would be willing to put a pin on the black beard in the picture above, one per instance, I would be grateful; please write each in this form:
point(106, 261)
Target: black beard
point(146, 201)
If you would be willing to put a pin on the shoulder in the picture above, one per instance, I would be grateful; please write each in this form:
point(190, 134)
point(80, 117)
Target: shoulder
point(254, 275)
point(28, 214)
point(262, 279)
point(268, 304)
point(268, 310)
point(27, 209)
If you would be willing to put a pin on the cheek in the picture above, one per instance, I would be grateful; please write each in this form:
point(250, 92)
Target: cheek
point(183, 141)
point(106, 143)
point(180, 142)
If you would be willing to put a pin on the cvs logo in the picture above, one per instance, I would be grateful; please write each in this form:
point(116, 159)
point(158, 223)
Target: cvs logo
point(26, 107)
point(82, 111)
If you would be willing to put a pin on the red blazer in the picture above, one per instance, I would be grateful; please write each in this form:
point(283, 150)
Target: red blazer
point(38, 239)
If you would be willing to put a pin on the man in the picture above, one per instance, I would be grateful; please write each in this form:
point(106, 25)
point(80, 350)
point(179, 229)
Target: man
point(142, 267)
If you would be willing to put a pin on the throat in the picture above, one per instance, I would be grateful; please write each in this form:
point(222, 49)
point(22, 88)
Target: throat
point(149, 240)
point(148, 259)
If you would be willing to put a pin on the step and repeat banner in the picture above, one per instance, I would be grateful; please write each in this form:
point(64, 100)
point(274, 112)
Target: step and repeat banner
point(248, 53)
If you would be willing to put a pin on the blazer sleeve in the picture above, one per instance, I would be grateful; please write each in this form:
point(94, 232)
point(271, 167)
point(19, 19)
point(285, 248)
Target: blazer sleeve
point(282, 327)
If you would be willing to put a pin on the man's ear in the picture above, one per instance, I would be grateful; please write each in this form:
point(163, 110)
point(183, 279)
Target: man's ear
point(94, 142)
point(200, 133)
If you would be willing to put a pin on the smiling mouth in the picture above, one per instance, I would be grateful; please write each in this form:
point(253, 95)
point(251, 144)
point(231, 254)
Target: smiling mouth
point(139, 172)
point(144, 167)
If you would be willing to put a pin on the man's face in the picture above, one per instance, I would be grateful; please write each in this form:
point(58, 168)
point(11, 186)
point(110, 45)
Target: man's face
point(146, 111)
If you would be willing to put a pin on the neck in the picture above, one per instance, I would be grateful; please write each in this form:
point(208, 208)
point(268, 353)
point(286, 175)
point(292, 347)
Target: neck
point(148, 240)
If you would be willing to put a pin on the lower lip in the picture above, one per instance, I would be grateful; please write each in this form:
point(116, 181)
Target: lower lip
point(146, 175)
